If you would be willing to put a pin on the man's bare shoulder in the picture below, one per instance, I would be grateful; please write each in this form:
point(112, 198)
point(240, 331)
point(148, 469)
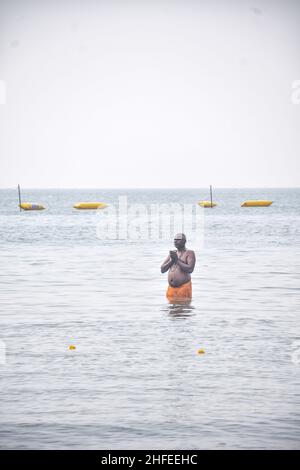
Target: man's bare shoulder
point(190, 252)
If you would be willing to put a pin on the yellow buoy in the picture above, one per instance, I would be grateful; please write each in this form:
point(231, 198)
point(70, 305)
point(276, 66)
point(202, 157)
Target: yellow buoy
point(207, 204)
point(201, 351)
point(90, 205)
point(72, 347)
point(28, 206)
point(256, 203)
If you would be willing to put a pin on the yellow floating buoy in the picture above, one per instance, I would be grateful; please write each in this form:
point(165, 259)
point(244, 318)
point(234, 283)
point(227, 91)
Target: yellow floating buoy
point(207, 204)
point(256, 203)
point(201, 351)
point(28, 206)
point(72, 347)
point(90, 205)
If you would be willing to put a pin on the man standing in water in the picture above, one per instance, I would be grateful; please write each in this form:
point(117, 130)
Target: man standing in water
point(180, 264)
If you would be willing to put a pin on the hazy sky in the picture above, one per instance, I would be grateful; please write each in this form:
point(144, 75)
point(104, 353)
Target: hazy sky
point(149, 93)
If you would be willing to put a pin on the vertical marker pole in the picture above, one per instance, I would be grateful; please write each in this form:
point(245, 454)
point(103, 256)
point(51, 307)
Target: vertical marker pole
point(211, 204)
point(19, 192)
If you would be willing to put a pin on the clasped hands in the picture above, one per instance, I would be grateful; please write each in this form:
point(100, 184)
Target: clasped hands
point(174, 256)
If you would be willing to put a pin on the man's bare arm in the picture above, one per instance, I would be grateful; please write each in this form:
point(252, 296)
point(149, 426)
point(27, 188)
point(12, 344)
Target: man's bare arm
point(189, 266)
point(166, 264)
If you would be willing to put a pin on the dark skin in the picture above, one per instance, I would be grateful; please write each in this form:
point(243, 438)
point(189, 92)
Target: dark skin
point(179, 263)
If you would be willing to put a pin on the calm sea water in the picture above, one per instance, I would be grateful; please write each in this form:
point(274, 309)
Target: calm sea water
point(135, 379)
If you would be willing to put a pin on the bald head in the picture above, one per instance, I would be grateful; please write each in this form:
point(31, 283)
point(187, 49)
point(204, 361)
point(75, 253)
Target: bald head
point(180, 236)
point(180, 241)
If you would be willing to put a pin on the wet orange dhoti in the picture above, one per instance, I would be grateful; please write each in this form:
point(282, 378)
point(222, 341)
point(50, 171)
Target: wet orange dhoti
point(183, 292)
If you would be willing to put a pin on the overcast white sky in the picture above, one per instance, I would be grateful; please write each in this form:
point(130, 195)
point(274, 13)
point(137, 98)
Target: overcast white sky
point(149, 93)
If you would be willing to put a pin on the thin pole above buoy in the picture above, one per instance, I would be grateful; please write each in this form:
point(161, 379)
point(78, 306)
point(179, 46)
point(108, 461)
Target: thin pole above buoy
point(19, 192)
point(211, 203)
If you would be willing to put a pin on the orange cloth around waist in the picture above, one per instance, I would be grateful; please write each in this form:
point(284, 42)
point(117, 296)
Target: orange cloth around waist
point(180, 293)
